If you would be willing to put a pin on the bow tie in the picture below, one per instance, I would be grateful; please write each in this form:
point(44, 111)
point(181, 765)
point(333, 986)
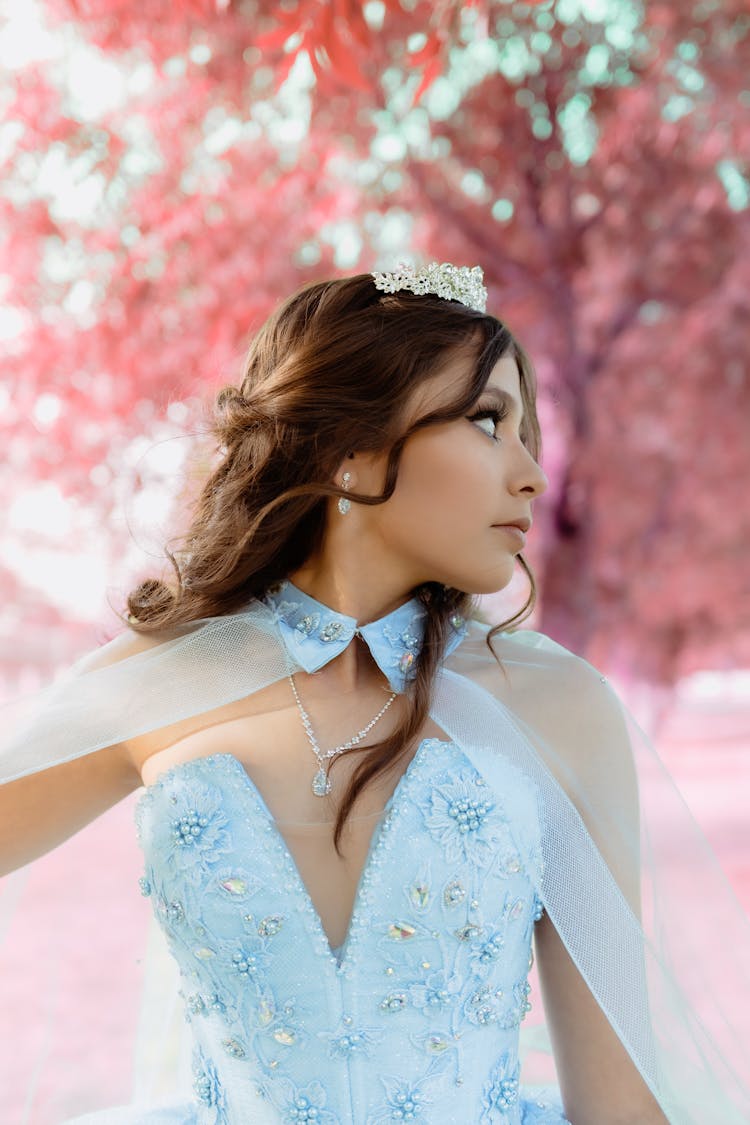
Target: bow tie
point(315, 634)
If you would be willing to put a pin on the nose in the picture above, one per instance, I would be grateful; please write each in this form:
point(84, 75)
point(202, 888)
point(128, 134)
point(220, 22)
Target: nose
point(532, 475)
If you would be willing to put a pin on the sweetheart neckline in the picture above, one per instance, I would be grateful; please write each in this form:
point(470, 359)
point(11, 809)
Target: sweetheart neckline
point(379, 835)
point(178, 767)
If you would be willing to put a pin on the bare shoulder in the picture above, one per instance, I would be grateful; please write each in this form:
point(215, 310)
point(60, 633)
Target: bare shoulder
point(567, 705)
point(124, 645)
point(521, 664)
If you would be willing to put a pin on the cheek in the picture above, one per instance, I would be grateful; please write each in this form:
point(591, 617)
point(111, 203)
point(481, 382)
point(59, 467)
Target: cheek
point(444, 484)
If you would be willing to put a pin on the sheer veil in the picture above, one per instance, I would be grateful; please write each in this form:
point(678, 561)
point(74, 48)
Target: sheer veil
point(625, 873)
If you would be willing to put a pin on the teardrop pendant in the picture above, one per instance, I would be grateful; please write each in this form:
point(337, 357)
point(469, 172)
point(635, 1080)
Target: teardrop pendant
point(321, 786)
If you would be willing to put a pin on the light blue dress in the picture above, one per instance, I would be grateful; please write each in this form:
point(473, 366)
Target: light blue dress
point(416, 1017)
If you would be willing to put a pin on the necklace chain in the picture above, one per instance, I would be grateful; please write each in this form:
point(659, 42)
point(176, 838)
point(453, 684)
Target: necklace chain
point(321, 782)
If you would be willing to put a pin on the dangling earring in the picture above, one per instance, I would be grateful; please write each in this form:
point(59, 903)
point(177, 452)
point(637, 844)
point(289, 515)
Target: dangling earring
point(344, 504)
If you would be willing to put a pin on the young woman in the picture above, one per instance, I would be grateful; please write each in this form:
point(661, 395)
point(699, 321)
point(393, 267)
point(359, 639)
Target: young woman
point(362, 805)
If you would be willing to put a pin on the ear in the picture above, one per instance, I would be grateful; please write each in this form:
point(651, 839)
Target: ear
point(366, 472)
point(348, 465)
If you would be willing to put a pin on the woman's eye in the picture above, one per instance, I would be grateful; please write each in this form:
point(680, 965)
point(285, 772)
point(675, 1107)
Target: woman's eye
point(490, 414)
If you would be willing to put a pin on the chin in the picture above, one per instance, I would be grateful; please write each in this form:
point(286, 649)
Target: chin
point(487, 584)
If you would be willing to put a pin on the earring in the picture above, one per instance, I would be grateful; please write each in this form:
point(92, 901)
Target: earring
point(344, 504)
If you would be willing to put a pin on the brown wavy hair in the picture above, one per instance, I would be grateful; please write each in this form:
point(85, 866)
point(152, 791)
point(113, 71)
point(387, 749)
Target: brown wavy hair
point(332, 369)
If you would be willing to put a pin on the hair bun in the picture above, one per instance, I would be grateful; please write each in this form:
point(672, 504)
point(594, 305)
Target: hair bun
point(234, 415)
point(148, 600)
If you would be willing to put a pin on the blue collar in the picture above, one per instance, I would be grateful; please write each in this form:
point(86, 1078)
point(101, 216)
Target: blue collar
point(314, 634)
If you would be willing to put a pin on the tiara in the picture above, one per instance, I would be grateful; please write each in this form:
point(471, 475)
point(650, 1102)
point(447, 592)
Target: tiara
point(455, 283)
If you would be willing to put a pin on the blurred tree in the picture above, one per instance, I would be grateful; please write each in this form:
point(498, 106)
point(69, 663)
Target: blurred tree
point(592, 155)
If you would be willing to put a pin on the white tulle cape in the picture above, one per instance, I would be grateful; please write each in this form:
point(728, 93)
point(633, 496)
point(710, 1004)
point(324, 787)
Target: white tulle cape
point(630, 882)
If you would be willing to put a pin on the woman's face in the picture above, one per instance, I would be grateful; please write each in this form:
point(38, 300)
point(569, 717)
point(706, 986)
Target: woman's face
point(457, 481)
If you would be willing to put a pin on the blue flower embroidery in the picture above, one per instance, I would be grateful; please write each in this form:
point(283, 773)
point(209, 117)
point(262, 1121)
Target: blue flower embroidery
point(467, 820)
point(486, 1005)
point(195, 827)
point(433, 994)
point(346, 1040)
point(404, 1101)
point(520, 1006)
point(490, 950)
point(305, 1104)
point(250, 962)
point(206, 1084)
point(501, 1092)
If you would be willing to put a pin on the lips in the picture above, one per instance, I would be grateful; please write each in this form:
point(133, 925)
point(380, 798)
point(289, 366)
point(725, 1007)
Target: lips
point(522, 524)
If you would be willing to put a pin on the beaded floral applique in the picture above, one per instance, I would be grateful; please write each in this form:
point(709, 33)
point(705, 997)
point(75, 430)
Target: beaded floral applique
point(501, 1093)
point(196, 831)
point(207, 1086)
point(437, 952)
point(303, 1105)
point(468, 824)
point(347, 1040)
point(403, 1101)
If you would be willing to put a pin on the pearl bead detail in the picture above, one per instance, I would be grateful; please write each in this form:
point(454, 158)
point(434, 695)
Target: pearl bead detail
point(427, 938)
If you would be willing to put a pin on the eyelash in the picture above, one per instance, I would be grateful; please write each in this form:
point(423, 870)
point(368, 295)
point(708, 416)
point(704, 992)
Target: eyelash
point(498, 414)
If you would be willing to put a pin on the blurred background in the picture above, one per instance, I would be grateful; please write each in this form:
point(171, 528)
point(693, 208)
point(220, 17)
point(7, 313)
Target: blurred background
point(172, 170)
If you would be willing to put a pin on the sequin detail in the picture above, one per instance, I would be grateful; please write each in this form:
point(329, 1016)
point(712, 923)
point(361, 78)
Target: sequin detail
point(271, 925)
point(401, 931)
point(435, 957)
point(394, 1002)
point(332, 631)
point(469, 932)
point(234, 886)
point(454, 893)
point(308, 624)
point(315, 634)
point(419, 896)
point(233, 1048)
point(175, 913)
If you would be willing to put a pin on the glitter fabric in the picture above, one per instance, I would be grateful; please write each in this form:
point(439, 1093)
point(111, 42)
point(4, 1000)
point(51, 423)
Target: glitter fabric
point(541, 801)
point(416, 1016)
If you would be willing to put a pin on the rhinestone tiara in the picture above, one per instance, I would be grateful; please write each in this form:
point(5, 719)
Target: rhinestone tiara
point(455, 283)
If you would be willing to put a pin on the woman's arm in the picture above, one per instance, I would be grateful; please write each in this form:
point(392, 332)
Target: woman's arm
point(599, 1082)
point(42, 809)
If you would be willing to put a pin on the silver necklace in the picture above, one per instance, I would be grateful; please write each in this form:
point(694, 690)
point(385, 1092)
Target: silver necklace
point(321, 783)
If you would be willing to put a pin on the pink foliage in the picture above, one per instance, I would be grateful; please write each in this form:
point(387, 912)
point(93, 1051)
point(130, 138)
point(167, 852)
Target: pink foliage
point(624, 271)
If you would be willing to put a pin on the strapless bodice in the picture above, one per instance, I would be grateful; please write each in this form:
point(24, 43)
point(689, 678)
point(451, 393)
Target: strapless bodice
point(416, 1016)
